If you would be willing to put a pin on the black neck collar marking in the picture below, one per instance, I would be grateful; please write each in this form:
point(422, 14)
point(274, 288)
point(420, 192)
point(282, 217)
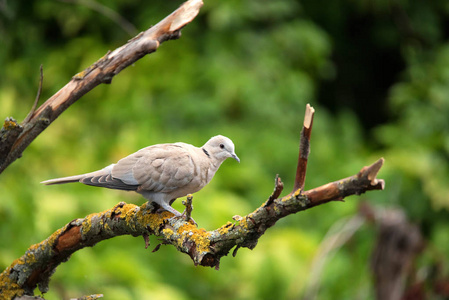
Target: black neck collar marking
point(205, 152)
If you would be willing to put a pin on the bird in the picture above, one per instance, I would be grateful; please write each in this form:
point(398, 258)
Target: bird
point(161, 173)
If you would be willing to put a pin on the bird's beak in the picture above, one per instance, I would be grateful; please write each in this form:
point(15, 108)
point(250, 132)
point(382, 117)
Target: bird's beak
point(234, 156)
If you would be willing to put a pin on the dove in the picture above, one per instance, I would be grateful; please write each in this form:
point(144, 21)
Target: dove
point(163, 172)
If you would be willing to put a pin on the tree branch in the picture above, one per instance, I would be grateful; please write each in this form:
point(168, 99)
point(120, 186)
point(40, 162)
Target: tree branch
point(14, 139)
point(364, 181)
point(205, 248)
point(38, 96)
point(127, 26)
point(304, 149)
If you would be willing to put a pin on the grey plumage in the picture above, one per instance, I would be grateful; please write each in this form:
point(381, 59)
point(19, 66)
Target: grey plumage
point(163, 172)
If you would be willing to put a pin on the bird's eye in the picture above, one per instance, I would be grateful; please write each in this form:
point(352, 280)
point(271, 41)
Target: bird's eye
point(221, 146)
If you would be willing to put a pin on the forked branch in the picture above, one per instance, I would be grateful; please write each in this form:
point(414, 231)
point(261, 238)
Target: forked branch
point(15, 138)
point(206, 248)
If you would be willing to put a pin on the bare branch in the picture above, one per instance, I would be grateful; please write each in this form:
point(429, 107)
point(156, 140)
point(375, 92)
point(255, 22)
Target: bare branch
point(101, 71)
point(364, 181)
point(38, 96)
point(336, 237)
point(127, 26)
point(278, 187)
point(304, 149)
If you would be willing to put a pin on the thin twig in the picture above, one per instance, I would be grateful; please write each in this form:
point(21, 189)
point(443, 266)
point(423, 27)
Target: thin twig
point(38, 96)
point(278, 187)
point(304, 149)
point(336, 237)
point(127, 26)
point(102, 71)
point(189, 207)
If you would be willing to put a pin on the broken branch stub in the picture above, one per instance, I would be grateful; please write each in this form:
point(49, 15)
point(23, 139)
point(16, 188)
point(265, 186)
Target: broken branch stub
point(304, 149)
point(205, 248)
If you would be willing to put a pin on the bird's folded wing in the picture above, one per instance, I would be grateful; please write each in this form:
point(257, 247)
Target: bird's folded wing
point(159, 168)
point(107, 181)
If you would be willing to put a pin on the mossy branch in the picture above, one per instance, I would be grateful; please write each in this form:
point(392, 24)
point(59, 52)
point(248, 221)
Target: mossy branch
point(15, 138)
point(205, 248)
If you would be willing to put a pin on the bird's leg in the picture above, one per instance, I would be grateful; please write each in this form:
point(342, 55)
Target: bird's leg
point(163, 203)
point(168, 208)
point(177, 214)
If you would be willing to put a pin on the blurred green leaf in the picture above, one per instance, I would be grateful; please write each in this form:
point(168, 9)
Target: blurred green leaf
point(376, 72)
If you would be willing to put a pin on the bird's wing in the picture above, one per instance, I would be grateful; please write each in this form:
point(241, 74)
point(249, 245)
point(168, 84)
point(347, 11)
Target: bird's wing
point(160, 168)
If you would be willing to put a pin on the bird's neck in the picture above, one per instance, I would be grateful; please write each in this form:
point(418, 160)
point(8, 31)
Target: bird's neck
point(213, 167)
point(214, 163)
point(206, 152)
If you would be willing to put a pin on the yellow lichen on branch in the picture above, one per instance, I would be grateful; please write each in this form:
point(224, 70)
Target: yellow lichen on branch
point(10, 124)
point(205, 248)
point(18, 276)
point(9, 288)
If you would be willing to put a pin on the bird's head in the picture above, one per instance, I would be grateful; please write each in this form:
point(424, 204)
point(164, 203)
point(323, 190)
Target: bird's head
point(220, 147)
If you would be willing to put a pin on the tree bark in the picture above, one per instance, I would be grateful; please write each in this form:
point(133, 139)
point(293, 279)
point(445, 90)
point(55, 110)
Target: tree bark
point(15, 137)
point(205, 248)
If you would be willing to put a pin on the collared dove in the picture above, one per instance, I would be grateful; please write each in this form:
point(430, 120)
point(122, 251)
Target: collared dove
point(163, 172)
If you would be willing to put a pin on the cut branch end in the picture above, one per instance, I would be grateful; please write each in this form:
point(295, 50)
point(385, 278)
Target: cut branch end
point(304, 149)
point(308, 118)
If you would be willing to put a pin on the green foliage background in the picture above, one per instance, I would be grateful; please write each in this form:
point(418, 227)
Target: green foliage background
point(377, 73)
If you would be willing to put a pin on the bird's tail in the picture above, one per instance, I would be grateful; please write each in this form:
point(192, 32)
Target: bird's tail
point(78, 178)
point(62, 180)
